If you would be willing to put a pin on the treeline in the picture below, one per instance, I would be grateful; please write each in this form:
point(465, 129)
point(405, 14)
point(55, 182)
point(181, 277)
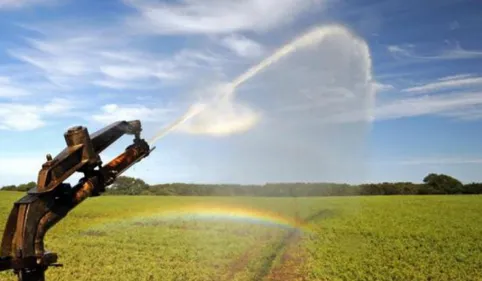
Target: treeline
point(20, 187)
point(432, 184)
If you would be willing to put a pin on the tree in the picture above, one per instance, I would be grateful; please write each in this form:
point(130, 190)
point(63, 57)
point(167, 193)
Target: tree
point(473, 188)
point(129, 186)
point(433, 184)
point(9, 188)
point(443, 184)
point(26, 187)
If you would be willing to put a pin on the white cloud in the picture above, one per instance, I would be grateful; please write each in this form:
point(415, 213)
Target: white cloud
point(58, 106)
point(15, 4)
point(380, 87)
point(398, 50)
point(108, 57)
point(128, 73)
point(19, 117)
point(59, 60)
point(242, 45)
point(216, 16)
point(119, 85)
point(450, 82)
point(455, 53)
point(456, 96)
point(15, 84)
point(471, 113)
point(10, 91)
point(113, 112)
point(124, 72)
point(441, 161)
point(427, 105)
point(25, 117)
point(449, 105)
point(456, 76)
point(76, 62)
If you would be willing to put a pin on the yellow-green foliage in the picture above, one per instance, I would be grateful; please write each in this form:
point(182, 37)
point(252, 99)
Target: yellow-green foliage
point(350, 238)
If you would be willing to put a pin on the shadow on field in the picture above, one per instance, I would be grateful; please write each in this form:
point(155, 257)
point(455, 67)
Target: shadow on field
point(323, 214)
point(94, 233)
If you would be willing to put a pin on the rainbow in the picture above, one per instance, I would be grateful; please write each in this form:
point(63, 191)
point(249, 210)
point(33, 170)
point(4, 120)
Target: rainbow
point(232, 213)
point(217, 212)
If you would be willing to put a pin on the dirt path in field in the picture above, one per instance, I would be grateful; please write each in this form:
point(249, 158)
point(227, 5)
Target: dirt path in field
point(291, 255)
point(288, 252)
point(270, 260)
point(287, 268)
point(240, 264)
point(290, 263)
point(319, 215)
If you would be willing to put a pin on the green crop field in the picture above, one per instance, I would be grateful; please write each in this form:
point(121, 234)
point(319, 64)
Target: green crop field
point(342, 238)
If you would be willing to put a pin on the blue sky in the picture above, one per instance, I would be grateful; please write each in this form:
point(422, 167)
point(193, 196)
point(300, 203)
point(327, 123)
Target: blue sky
point(65, 62)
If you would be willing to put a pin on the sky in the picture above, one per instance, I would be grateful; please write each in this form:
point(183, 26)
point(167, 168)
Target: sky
point(372, 90)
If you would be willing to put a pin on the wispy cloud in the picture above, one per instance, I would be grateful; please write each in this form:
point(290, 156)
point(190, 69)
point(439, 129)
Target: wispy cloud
point(60, 59)
point(128, 73)
point(24, 117)
point(9, 90)
point(59, 106)
point(441, 161)
point(445, 83)
point(456, 76)
point(242, 46)
point(19, 117)
point(381, 87)
point(16, 4)
point(114, 57)
point(448, 105)
point(216, 16)
point(87, 61)
point(470, 113)
point(116, 84)
point(427, 105)
point(83, 60)
point(113, 112)
point(457, 52)
point(400, 50)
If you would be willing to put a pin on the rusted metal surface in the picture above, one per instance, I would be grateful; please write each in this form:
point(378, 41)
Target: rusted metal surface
point(83, 192)
point(46, 222)
point(22, 248)
point(9, 232)
point(81, 153)
point(124, 161)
